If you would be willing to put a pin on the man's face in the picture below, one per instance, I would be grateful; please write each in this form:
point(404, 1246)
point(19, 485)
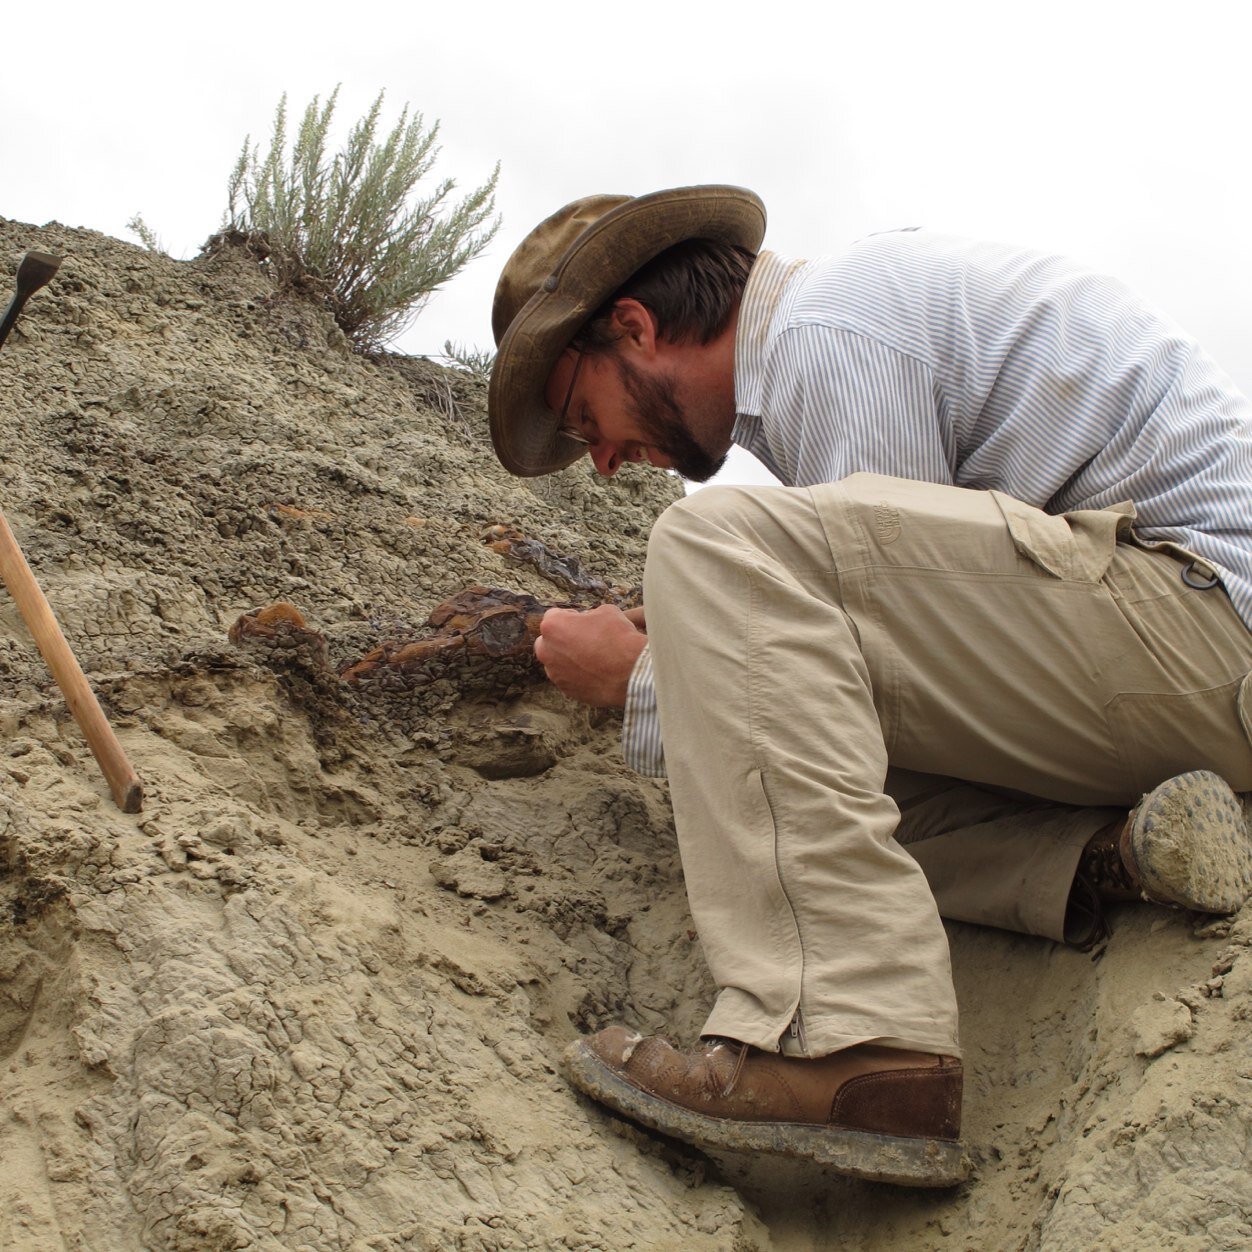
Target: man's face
point(630, 413)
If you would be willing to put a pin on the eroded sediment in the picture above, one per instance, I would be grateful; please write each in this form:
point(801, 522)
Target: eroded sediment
point(314, 995)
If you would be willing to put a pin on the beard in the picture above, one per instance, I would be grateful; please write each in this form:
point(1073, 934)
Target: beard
point(664, 424)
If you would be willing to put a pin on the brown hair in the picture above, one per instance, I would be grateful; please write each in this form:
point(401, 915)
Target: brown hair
point(691, 289)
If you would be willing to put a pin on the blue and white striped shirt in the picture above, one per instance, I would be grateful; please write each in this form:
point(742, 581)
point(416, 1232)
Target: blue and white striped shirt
point(985, 366)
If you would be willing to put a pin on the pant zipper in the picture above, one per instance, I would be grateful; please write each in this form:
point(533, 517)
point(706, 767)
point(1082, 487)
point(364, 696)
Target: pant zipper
point(797, 1033)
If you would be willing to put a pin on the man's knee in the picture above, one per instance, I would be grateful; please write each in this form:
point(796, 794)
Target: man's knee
point(741, 524)
point(711, 510)
point(708, 525)
point(717, 506)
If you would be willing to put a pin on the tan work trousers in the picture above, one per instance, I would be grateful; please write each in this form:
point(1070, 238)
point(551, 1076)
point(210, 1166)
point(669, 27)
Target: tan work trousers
point(803, 640)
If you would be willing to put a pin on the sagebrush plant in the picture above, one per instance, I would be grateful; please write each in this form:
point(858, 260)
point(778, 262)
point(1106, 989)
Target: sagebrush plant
point(349, 228)
point(147, 236)
point(476, 362)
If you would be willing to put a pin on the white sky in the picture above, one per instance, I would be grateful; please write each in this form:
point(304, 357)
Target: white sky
point(1117, 132)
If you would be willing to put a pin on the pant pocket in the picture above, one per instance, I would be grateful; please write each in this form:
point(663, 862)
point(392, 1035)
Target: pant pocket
point(1160, 735)
point(1077, 546)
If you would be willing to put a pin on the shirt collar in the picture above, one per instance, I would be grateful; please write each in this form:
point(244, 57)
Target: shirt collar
point(766, 284)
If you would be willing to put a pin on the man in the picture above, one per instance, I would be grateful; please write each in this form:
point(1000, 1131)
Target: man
point(1013, 562)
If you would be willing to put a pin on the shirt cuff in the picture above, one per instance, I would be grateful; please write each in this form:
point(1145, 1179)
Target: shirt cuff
point(641, 728)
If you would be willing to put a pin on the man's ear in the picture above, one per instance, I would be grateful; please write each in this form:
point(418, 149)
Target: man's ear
point(635, 326)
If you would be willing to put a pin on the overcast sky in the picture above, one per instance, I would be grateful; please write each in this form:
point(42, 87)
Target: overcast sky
point(1119, 133)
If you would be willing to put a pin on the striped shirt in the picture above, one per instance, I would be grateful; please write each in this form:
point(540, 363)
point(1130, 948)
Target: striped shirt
point(985, 366)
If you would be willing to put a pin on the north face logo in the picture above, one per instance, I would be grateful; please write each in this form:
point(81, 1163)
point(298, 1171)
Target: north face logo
point(886, 523)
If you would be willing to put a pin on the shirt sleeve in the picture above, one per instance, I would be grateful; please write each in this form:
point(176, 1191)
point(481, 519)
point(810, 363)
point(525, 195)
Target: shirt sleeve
point(641, 729)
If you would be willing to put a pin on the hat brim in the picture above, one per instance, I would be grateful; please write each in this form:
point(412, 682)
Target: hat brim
point(523, 427)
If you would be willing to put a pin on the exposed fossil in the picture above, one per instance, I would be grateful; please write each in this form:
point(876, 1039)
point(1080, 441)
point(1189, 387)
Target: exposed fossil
point(562, 571)
point(483, 637)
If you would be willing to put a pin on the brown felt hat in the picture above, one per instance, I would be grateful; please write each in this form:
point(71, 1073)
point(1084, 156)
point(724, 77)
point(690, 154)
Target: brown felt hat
point(559, 276)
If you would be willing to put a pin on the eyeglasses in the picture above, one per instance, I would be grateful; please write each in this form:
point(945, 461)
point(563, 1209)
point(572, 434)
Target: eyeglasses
point(567, 427)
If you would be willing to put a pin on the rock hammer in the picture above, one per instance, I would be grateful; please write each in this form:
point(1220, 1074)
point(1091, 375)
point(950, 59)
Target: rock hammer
point(34, 270)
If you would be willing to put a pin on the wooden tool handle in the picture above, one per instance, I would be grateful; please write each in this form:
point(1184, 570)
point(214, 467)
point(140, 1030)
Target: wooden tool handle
point(37, 613)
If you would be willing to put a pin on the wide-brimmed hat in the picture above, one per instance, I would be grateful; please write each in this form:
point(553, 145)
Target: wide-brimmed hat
point(559, 276)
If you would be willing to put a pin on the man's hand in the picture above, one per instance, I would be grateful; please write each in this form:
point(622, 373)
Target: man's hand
point(589, 656)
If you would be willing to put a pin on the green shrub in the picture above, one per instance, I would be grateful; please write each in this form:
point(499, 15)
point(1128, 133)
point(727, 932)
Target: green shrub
point(347, 229)
point(476, 362)
point(147, 236)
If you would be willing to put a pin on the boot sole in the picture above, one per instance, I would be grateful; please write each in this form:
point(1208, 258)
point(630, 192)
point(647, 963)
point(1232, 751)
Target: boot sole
point(861, 1154)
point(1190, 844)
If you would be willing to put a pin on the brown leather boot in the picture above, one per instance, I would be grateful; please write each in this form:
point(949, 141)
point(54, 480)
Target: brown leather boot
point(869, 1111)
point(1185, 844)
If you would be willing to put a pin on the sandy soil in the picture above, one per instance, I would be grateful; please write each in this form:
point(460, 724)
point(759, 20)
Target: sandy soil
point(312, 997)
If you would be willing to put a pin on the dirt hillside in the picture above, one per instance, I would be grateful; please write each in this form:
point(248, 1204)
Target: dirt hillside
point(313, 995)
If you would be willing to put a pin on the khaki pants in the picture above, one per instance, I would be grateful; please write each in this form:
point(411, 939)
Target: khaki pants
point(804, 640)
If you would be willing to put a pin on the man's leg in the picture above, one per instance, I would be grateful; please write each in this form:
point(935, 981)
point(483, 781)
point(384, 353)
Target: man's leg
point(817, 926)
point(999, 860)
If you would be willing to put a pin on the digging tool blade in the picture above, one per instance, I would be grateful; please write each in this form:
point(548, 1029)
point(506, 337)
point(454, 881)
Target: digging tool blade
point(33, 271)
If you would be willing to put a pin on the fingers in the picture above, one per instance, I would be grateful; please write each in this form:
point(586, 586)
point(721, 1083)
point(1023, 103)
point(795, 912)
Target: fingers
point(589, 656)
point(550, 633)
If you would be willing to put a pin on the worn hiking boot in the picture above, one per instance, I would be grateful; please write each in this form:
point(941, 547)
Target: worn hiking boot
point(1185, 844)
point(868, 1111)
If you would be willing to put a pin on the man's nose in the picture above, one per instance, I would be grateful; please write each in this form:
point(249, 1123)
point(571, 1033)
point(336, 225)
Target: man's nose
point(606, 457)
